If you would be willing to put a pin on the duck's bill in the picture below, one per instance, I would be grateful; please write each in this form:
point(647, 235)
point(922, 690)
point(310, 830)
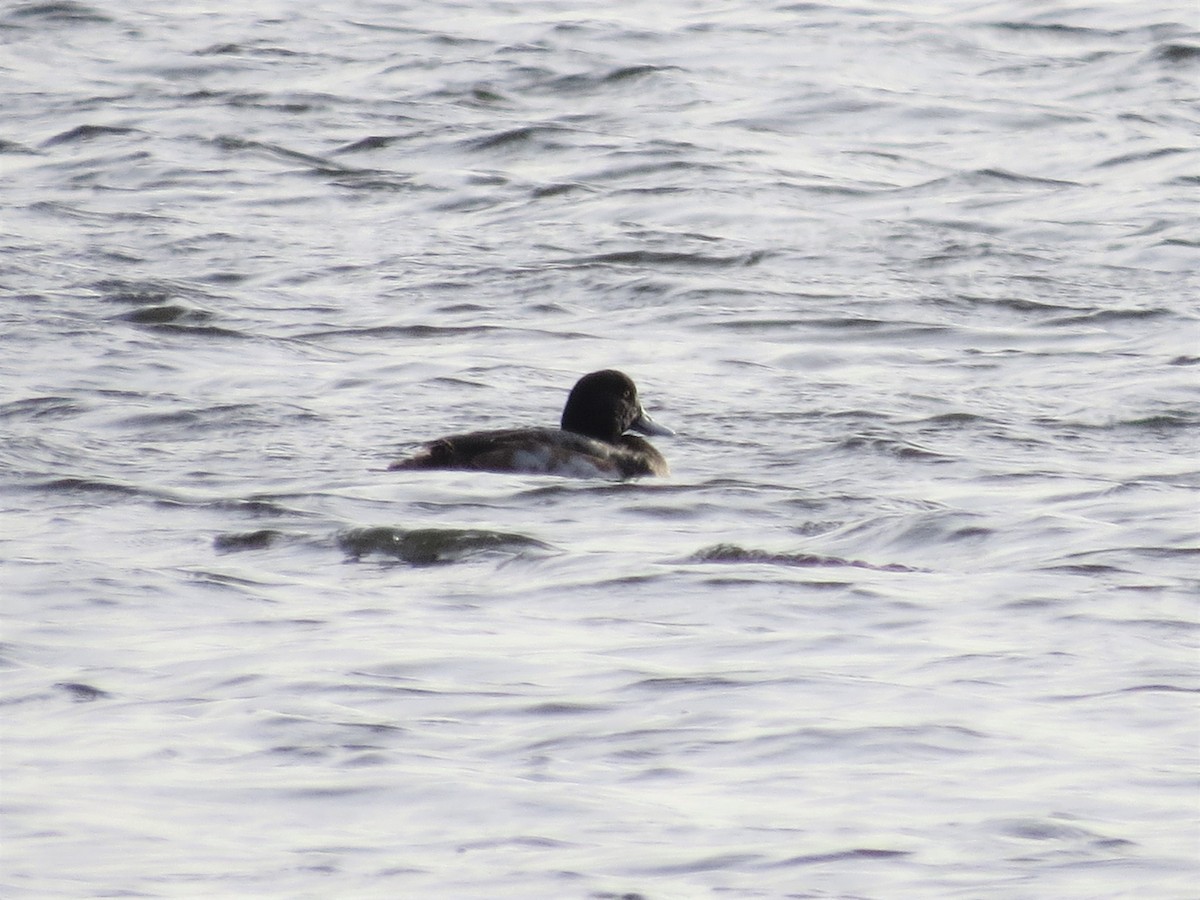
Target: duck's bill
point(643, 424)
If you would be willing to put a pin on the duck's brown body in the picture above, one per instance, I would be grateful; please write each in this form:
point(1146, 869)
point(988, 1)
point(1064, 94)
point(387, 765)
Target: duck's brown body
point(545, 451)
point(591, 444)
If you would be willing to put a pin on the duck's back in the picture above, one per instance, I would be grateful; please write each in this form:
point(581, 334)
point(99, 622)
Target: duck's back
point(544, 451)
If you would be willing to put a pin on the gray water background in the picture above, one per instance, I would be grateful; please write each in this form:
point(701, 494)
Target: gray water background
point(915, 615)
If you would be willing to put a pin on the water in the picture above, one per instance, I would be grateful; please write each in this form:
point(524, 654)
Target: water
point(915, 615)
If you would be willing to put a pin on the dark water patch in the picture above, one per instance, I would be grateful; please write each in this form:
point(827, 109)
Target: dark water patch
point(246, 540)
point(1165, 422)
point(558, 190)
point(731, 553)
point(76, 484)
point(431, 546)
point(656, 258)
point(892, 447)
point(476, 96)
point(224, 579)
point(970, 532)
point(1104, 316)
point(877, 742)
point(1168, 421)
point(401, 331)
point(863, 854)
point(142, 293)
point(563, 708)
point(1052, 829)
point(535, 841)
point(372, 180)
point(1035, 603)
point(219, 50)
point(734, 582)
point(366, 758)
point(57, 210)
point(467, 203)
point(199, 417)
point(82, 693)
point(809, 8)
point(1167, 552)
point(189, 329)
point(373, 142)
point(168, 314)
point(1174, 628)
point(254, 100)
point(87, 133)
point(83, 485)
point(388, 332)
point(287, 623)
point(317, 164)
point(1191, 244)
point(1157, 688)
point(137, 293)
point(652, 190)
point(328, 794)
point(1015, 304)
point(954, 420)
point(982, 179)
point(584, 82)
point(674, 513)
point(862, 323)
point(631, 73)
point(685, 683)
point(36, 408)
point(63, 11)
point(961, 226)
point(1083, 569)
point(566, 487)
point(303, 753)
point(1177, 54)
point(1142, 156)
point(704, 864)
point(918, 528)
point(759, 324)
point(234, 49)
point(512, 138)
point(643, 169)
point(1055, 28)
point(822, 188)
point(467, 308)
point(258, 507)
point(7, 146)
point(485, 97)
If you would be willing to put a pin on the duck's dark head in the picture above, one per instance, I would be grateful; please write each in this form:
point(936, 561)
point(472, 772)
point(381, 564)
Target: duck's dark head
point(604, 405)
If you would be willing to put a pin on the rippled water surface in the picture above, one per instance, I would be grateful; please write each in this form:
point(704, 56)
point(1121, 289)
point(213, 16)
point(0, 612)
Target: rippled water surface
point(915, 615)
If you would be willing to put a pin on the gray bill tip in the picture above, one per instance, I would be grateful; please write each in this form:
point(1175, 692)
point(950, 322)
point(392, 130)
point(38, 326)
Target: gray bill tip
point(646, 425)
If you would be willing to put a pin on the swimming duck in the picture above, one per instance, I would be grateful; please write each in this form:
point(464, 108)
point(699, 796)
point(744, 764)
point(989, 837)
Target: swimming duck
point(592, 442)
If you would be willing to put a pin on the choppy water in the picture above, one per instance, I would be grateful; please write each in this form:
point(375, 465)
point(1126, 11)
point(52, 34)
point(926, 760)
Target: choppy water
point(915, 616)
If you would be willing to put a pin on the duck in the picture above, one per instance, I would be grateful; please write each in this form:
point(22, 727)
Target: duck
point(591, 443)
